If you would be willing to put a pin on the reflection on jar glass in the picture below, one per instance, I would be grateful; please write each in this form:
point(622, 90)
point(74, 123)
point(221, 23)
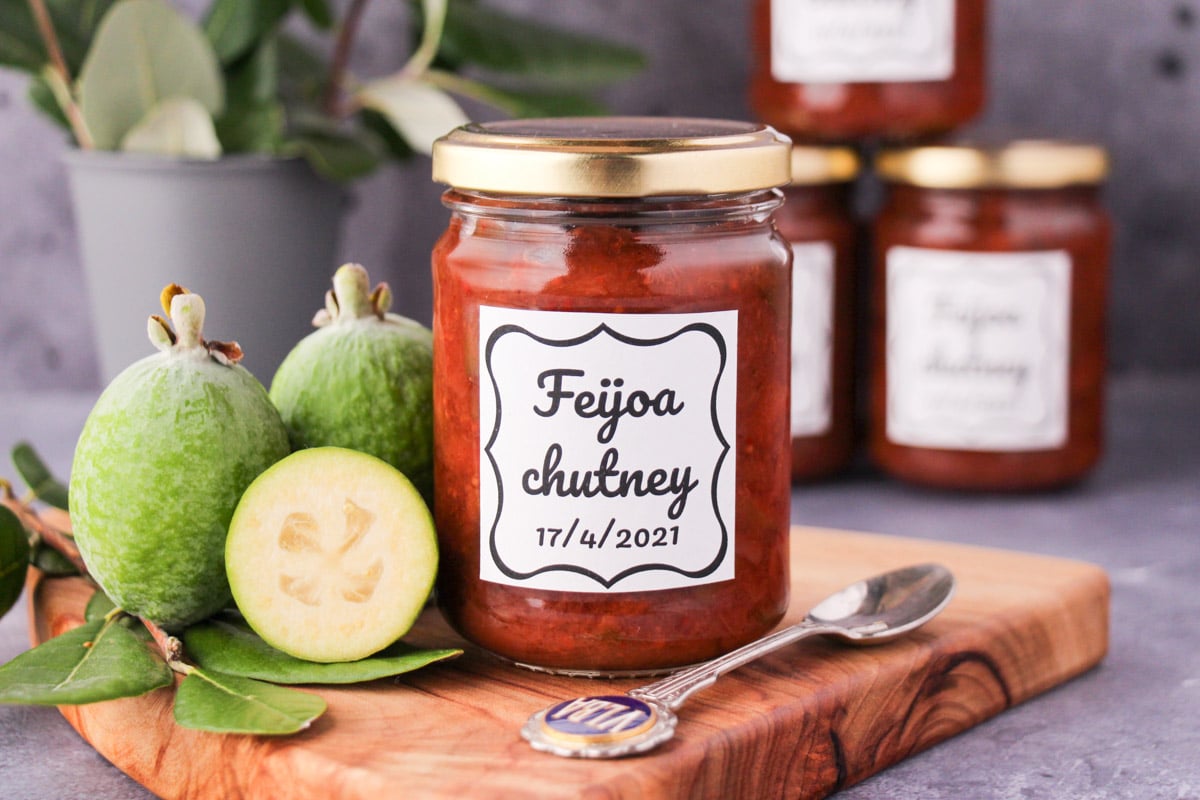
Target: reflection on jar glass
point(611, 314)
point(838, 70)
point(816, 220)
point(990, 285)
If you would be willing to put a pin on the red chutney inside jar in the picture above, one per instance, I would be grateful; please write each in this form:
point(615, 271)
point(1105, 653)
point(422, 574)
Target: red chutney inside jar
point(990, 286)
point(836, 70)
point(611, 311)
point(817, 221)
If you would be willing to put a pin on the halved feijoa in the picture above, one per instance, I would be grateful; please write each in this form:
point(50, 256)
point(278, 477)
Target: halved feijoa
point(331, 554)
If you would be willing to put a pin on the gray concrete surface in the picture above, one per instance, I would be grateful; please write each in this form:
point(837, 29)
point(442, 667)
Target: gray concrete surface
point(1128, 730)
point(1119, 72)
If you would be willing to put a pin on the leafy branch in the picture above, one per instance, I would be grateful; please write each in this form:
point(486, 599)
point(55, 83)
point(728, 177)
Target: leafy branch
point(230, 675)
point(239, 82)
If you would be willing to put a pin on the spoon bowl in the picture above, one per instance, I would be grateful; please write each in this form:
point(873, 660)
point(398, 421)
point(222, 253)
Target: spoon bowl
point(870, 611)
point(874, 610)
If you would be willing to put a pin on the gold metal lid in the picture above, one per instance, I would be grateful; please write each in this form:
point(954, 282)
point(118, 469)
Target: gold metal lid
point(1030, 164)
point(612, 157)
point(813, 165)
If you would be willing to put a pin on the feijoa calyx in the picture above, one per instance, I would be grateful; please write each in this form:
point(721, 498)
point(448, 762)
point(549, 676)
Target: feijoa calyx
point(331, 554)
point(164, 456)
point(363, 380)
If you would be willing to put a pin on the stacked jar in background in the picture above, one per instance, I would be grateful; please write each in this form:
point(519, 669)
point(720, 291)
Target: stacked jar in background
point(981, 351)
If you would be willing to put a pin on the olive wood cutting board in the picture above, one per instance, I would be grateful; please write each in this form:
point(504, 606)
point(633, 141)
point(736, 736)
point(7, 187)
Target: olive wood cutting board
point(803, 722)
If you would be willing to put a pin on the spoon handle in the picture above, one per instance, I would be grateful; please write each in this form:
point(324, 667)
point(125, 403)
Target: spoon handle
point(673, 690)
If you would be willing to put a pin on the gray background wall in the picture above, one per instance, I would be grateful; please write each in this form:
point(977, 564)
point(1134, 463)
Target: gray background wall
point(1122, 72)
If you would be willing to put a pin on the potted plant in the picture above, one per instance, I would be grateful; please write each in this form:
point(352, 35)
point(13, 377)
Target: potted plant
point(217, 153)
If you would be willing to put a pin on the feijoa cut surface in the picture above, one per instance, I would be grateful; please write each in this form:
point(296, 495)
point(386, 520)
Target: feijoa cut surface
point(331, 554)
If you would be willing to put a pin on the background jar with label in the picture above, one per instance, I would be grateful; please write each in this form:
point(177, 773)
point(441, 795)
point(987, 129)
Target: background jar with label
point(840, 70)
point(611, 313)
point(816, 219)
point(990, 285)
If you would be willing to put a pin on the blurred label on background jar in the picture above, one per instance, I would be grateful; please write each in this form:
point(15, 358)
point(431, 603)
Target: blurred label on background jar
point(604, 449)
point(812, 337)
point(977, 349)
point(860, 41)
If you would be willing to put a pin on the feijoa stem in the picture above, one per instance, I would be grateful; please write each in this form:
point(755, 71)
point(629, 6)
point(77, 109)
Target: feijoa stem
point(184, 333)
point(45, 532)
point(171, 647)
point(352, 297)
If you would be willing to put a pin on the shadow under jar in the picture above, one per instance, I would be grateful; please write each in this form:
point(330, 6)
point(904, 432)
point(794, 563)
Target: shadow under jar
point(817, 220)
point(842, 70)
point(611, 315)
point(990, 287)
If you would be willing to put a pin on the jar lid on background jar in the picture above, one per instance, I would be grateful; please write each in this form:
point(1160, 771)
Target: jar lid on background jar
point(1029, 164)
point(612, 157)
point(813, 165)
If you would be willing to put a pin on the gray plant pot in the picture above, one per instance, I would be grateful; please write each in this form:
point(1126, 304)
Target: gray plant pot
point(256, 237)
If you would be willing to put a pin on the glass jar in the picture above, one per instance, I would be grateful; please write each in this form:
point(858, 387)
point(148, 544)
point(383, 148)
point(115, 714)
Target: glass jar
point(611, 313)
point(839, 70)
point(991, 274)
point(816, 219)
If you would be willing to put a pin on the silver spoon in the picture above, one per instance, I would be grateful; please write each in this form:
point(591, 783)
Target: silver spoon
point(867, 612)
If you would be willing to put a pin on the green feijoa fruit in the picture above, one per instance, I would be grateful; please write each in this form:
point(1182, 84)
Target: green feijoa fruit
point(331, 555)
point(363, 380)
point(163, 458)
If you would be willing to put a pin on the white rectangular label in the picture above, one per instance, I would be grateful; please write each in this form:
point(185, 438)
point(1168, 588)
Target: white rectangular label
point(861, 41)
point(812, 337)
point(605, 460)
point(978, 349)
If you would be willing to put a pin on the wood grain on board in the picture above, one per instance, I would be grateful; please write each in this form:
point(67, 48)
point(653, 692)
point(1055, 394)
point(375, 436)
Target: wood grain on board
point(803, 722)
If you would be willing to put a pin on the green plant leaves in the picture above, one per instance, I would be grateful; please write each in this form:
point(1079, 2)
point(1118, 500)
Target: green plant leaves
point(335, 155)
point(37, 476)
point(418, 111)
point(99, 660)
point(231, 647)
point(505, 43)
point(144, 52)
point(234, 27)
point(14, 559)
point(253, 120)
point(318, 12)
point(74, 21)
point(210, 701)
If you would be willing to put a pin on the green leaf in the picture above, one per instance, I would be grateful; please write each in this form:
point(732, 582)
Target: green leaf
point(99, 660)
point(502, 42)
point(230, 646)
point(302, 72)
point(418, 111)
point(253, 120)
point(20, 45)
point(178, 126)
point(210, 701)
point(145, 52)
point(98, 607)
point(335, 155)
point(14, 559)
point(318, 12)
point(41, 97)
point(252, 129)
point(52, 562)
point(37, 476)
point(393, 142)
point(235, 27)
